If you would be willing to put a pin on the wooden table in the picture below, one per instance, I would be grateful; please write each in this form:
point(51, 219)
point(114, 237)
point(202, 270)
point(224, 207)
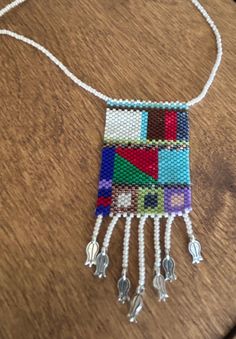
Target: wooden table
point(51, 136)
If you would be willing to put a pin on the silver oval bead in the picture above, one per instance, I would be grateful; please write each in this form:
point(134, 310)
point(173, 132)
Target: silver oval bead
point(102, 263)
point(123, 289)
point(135, 307)
point(169, 267)
point(91, 250)
point(194, 248)
point(160, 285)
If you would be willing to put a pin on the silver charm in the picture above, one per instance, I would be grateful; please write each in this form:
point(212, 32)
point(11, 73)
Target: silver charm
point(159, 284)
point(92, 251)
point(169, 267)
point(194, 248)
point(135, 307)
point(123, 288)
point(102, 262)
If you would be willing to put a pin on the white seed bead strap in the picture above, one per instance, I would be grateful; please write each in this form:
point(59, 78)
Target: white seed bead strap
point(157, 245)
point(216, 32)
point(97, 227)
point(109, 231)
point(57, 62)
point(92, 90)
point(168, 234)
point(125, 262)
point(141, 253)
point(189, 226)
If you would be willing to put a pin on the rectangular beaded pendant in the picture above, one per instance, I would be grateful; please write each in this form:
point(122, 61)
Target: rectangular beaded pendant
point(145, 160)
point(144, 173)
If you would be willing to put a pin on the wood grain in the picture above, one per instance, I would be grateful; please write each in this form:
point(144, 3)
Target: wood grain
point(51, 136)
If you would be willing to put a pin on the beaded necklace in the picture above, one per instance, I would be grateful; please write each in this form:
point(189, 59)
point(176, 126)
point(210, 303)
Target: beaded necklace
point(144, 174)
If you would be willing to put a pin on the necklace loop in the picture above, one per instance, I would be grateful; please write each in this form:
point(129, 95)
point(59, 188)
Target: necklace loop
point(92, 90)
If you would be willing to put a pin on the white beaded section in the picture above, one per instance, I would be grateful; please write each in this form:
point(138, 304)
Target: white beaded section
point(125, 261)
point(141, 253)
point(189, 226)
point(109, 231)
point(97, 227)
point(168, 235)
point(92, 90)
point(122, 124)
point(152, 215)
point(157, 245)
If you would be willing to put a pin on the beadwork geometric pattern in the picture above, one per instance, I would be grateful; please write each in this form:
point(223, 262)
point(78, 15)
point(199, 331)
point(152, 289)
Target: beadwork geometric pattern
point(145, 159)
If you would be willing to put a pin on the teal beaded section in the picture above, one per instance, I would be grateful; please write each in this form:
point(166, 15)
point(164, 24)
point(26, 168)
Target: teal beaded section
point(176, 105)
point(144, 123)
point(173, 166)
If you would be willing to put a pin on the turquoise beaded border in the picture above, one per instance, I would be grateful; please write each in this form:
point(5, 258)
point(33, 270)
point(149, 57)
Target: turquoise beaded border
point(147, 104)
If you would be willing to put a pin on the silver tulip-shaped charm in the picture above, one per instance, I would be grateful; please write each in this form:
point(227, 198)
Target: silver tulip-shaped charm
point(160, 285)
point(169, 267)
point(136, 306)
point(123, 286)
point(91, 251)
point(102, 263)
point(194, 248)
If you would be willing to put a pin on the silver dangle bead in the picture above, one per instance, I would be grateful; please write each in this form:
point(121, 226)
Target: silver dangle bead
point(160, 285)
point(169, 267)
point(123, 286)
point(91, 250)
point(102, 263)
point(194, 248)
point(136, 305)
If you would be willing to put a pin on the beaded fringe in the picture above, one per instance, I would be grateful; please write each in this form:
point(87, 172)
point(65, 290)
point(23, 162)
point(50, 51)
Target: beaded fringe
point(167, 264)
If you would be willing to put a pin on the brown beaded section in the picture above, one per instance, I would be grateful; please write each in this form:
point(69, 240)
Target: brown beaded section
point(156, 125)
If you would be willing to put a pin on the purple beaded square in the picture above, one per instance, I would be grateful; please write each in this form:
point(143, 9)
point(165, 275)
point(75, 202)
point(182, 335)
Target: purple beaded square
point(177, 199)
